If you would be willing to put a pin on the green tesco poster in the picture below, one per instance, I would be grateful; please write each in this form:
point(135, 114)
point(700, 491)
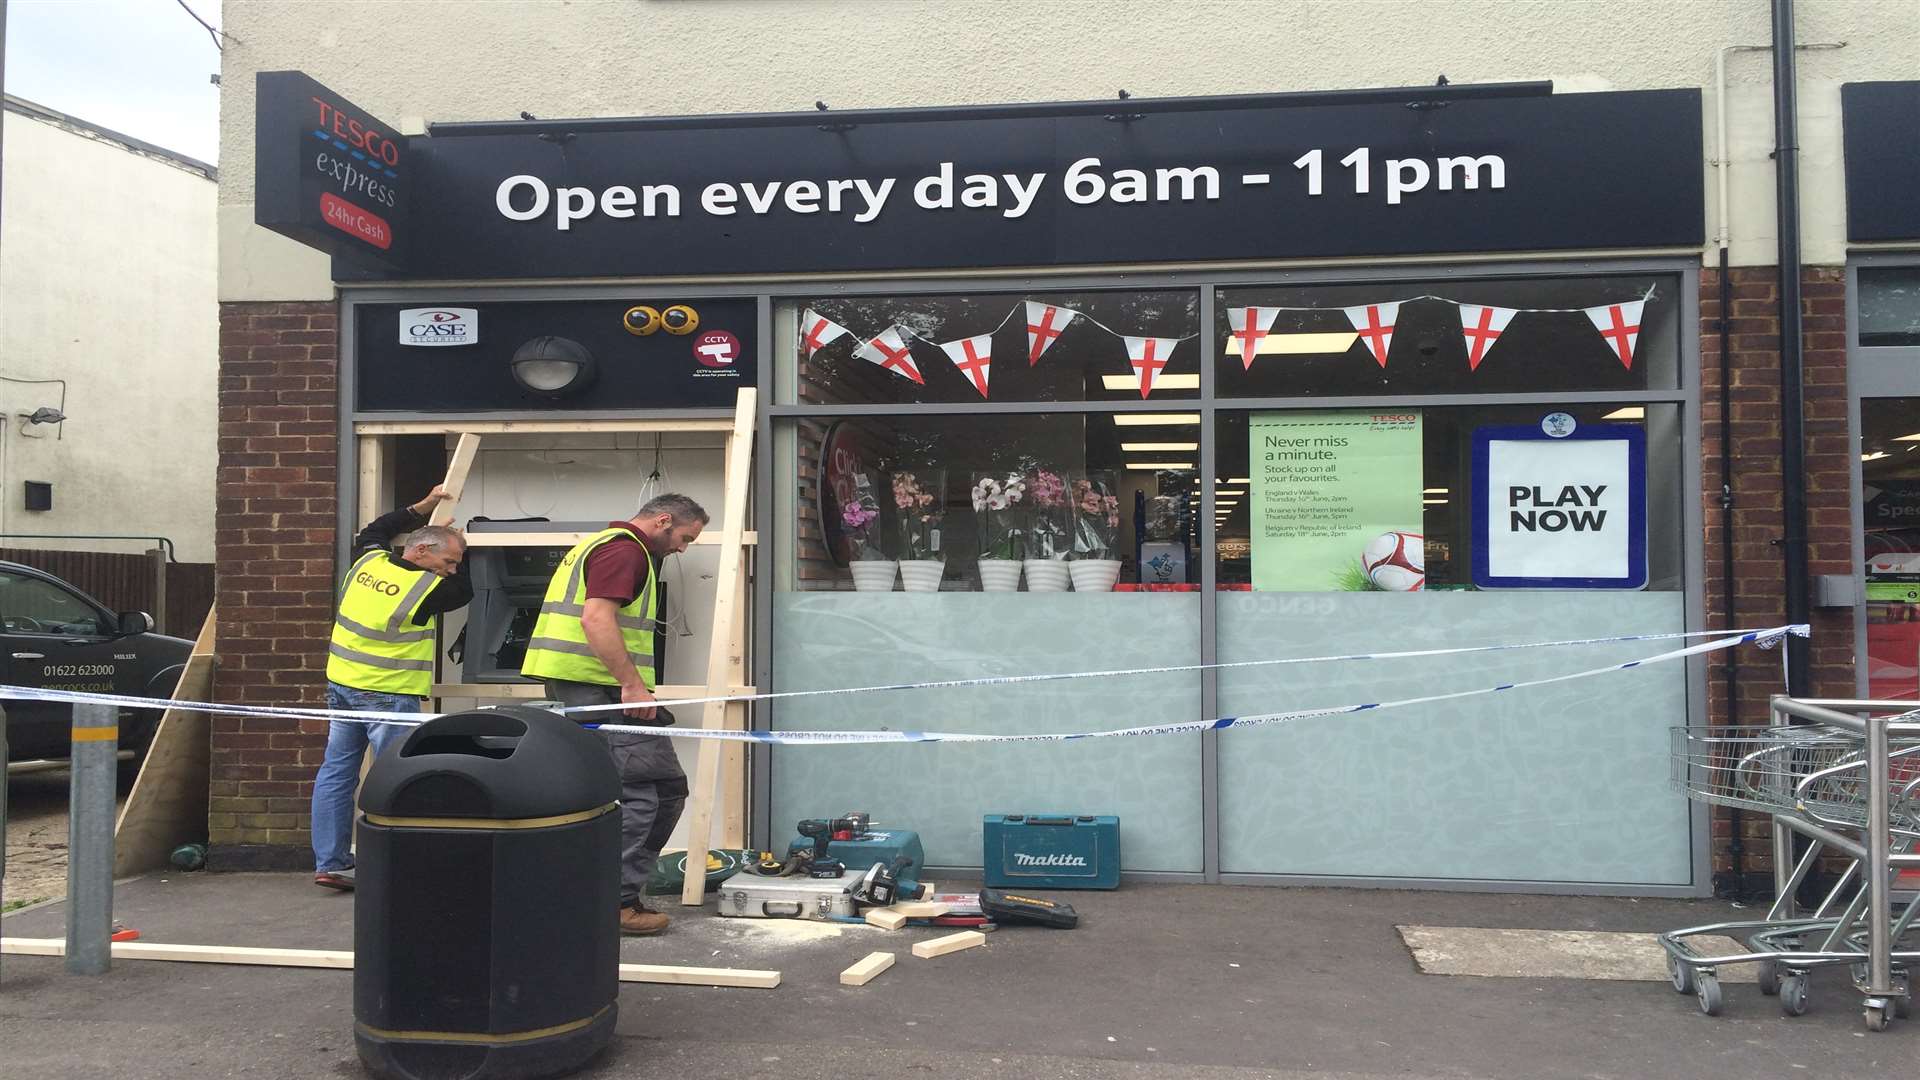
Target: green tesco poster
point(1336, 500)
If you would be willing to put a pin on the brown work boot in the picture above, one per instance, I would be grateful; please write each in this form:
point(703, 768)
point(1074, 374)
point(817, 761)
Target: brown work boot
point(639, 919)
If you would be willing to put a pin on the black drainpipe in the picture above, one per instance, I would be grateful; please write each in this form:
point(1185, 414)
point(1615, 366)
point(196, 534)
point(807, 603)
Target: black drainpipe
point(1792, 421)
point(1735, 885)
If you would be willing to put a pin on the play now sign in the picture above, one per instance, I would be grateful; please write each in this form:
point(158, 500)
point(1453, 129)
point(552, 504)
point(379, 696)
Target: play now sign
point(1560, 507)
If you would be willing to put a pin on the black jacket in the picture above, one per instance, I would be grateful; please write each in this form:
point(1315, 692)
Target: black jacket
point(451, 594)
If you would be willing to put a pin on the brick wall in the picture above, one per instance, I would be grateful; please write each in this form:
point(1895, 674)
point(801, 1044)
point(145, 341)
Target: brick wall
point(274, 547)
point(1759, 588)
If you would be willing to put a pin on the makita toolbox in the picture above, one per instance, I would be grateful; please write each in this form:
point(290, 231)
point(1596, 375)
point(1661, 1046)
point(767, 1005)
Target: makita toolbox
point(1052, 851)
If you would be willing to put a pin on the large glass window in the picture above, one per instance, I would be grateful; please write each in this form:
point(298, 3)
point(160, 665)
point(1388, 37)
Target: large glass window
point(1889, 306)
point(1890, 512)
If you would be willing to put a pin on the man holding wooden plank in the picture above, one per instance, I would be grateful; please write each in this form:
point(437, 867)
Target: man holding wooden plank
point(593, 645)
point(380, 657)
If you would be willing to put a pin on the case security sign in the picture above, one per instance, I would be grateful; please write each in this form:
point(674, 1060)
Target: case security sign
point(440, 326)
point(1560, 506)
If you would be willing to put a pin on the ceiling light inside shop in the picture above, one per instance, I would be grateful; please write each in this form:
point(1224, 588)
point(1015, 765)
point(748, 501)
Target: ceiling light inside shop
point(1159, 466)
point(1915, 437)
point(1631, 412)
point(1433, 491)
point(1152, 419)
point(1875, 456)
point(1226, 502)
point(1434, 502)
point(1160, 382)
point(1158, 447)
point(1297, 344)
point(1229, 491)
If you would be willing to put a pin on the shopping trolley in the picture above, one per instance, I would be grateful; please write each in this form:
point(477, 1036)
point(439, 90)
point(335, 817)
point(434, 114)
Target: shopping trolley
point(1850, 786)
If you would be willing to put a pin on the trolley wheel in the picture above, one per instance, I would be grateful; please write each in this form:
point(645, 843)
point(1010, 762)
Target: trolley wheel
point(1878, 1014)
point(1793, 993)
point(1706, 990)
point(1680, 974)
point(1768, 974)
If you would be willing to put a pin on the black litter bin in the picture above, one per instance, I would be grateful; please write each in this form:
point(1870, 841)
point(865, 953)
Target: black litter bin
point(486, 926)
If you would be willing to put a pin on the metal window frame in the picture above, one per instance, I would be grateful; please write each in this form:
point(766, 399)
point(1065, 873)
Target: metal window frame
point(770, 294)
point(1878, 372)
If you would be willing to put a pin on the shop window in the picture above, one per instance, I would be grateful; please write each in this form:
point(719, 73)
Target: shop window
point(1448, 336)
point(1889, 298)
point(1890, 512)
point(1087, 346)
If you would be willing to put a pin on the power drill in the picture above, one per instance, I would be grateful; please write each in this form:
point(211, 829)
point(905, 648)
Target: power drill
point(820, 831)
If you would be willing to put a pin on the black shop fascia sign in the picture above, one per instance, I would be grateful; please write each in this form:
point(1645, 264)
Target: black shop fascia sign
point(1083, 184)
point(328, 174)
point(1881, 121)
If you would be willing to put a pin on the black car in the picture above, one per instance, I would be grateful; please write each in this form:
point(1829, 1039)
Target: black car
point(56, 637)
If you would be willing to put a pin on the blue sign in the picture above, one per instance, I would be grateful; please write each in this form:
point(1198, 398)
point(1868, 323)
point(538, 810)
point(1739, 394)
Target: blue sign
point(1558, 506)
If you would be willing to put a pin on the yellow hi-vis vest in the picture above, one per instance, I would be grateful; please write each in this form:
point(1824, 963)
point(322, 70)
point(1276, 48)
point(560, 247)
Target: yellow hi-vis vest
point(558, 648)
point(374, 645)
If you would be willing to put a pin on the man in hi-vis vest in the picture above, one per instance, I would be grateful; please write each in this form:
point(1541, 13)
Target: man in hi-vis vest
point(593, 645)
point(380, 658)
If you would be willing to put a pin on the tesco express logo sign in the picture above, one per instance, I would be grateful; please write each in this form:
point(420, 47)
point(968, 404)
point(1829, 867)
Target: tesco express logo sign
point(439, 326)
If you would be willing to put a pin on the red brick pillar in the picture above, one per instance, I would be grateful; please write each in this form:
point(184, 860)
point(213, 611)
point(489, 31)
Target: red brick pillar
point(1758, 594)
point(274, 573)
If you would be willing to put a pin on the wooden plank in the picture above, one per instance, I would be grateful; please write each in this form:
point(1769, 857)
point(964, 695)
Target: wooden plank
point(921, 909)
point(941, 946)
point(716, 424)
point(568, 539)
point(886, 918)
point(733, 755)
point(168, 804)
point(867, 970)
point(726, 611)
point(456, 482)
point(665, 691)
point(329, 958)
point(372, 451)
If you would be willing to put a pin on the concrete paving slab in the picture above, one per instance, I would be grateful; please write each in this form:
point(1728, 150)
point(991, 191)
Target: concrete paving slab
point(1557, 954)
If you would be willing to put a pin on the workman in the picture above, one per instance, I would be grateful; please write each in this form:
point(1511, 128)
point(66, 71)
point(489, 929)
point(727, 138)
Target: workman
point(406, 574)
point(593, 645)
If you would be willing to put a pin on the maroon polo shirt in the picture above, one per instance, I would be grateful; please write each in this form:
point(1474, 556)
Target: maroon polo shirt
point(617, 569)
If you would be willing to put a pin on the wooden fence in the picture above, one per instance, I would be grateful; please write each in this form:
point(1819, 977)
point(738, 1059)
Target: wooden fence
point(126, 582)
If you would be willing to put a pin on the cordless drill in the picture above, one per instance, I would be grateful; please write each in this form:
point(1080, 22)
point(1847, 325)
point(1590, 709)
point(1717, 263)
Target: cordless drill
point(820, 831)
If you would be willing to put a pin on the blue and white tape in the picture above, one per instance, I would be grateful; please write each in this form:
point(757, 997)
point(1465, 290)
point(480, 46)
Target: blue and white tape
point(1765, 638)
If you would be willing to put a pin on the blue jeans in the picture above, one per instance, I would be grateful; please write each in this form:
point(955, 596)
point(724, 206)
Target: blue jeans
point(339, 774)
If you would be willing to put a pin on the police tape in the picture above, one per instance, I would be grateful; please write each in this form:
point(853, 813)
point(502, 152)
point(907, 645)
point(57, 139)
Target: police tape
point(1766, 638)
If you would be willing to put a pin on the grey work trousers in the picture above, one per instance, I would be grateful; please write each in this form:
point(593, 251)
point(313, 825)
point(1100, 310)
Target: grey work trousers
point(653, 788)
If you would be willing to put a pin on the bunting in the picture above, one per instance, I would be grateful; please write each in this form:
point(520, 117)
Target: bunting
point(974, 357)
point(1249, 325)
point(890, 350)
point(817, 330)
point(1045, 322)
point(1149, 355)
point(1375, 324)
point(1619, 324)
point(1482, 326)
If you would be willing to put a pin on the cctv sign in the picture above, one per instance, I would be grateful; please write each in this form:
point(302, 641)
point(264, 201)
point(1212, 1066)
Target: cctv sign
point(439, 326)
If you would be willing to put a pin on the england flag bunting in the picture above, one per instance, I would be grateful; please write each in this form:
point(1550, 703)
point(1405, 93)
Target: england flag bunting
point(817, 330)
point(1375, 324)
point(1249, 325)
point(890, 350)
point(973, 356)
point(1044, 324)
point(1481, 327)
point(1620, 325)
point(1149, 355)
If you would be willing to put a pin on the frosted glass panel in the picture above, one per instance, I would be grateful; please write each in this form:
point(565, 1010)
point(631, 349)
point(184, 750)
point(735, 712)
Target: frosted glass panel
point(824, 639)
point(1562, 783)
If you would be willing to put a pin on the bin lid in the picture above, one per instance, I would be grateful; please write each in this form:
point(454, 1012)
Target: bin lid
point(512, 763)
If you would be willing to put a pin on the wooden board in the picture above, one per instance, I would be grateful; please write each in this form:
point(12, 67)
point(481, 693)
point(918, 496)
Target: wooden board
point(535, 427)
point(867, 970)
point(568, 539)
point(327, 958)
point(886, 918)
point(726, 663)
point(372, 453)
point(168, 804)
point(456, 482)
point(941, 946)
point(921, 909)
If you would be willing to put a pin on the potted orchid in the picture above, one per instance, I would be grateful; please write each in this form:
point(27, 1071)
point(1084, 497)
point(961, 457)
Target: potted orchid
point(1048, 538)
point(919, 500)
point(860, 518)
point(1000, 506)
point(1096, 533)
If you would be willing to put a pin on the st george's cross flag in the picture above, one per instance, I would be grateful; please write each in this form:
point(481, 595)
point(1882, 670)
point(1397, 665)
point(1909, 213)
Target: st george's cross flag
point(1620, 325)
point(973, 356)
point(817, 330)
point(1249, 325)
point(1375, 324)
point(1149, 355)
point(889, 349)
point(1481, 327)
point(1044, 325)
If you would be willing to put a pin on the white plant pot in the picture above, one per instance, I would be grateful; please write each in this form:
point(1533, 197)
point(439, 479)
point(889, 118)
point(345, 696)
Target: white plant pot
point(1046, 575)
point(921, 575)
point(999, 575)
point(872, 575)
point(1094, 575)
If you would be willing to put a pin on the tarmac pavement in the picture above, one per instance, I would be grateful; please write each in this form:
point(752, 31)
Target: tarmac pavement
point(1158, 981)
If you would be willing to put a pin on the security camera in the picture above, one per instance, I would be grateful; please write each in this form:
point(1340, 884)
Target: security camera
point(679, 319)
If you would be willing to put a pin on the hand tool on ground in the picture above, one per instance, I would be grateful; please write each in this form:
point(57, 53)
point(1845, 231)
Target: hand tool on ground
point(881, 884)
point(820, 831)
